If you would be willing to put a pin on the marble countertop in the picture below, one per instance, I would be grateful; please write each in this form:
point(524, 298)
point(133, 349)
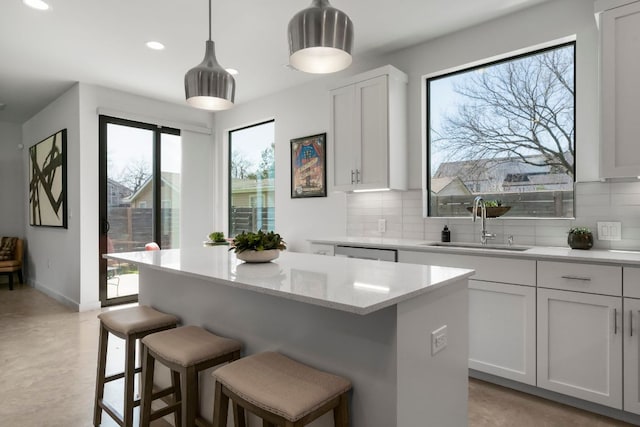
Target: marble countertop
point(347, 284)
point(619, 257)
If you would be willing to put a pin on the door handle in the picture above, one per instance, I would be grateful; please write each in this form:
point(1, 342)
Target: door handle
point(105, 226)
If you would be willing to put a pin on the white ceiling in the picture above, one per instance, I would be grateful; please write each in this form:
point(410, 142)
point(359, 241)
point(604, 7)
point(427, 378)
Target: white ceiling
point(102, 42)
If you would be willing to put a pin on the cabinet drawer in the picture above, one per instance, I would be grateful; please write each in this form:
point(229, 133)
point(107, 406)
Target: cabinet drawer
point(597, 279)
point(631, 282)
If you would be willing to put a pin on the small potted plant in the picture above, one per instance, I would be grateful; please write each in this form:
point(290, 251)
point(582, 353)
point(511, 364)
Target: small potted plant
point(580, 238)
point(258, 247)
point(216, 238)
point(494, 208)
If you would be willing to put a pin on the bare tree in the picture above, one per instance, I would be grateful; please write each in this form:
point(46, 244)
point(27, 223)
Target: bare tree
point(519, 110)
point(267, 162)
point(239, 165)
point(135, 174)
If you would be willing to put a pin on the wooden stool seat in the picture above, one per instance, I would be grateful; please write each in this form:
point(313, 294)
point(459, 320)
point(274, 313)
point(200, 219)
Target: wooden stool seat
point(280, 390)
point(130, 324)
point(185, 351)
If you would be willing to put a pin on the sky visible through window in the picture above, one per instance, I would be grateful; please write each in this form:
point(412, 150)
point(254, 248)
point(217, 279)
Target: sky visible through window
point(506, 128)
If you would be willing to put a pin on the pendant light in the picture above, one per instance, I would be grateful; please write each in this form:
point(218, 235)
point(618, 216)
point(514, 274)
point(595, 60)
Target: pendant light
point(208, 85)
point(320, 39)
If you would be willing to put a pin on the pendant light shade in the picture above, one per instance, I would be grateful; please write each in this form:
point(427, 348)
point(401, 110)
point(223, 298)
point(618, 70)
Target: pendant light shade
point(208, 85)
point(320, 39)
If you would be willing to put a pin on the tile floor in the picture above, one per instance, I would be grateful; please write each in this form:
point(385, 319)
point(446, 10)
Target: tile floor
point(47, 374)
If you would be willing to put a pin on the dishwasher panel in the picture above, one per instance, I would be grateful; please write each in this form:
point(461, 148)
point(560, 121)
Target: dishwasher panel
point(367, 253)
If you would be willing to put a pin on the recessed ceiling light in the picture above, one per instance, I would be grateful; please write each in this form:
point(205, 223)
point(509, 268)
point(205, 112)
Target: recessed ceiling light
point(36, 4)
point(232, 71)
point(155, 45)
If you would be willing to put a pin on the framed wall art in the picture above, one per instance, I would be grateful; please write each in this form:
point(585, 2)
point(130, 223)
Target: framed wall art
point(309, 166)
point(48, 181)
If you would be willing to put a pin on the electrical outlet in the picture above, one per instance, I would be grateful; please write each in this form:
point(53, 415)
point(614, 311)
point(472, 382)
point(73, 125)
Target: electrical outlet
point(609, 230)
point(382, 225)
point(438, 340)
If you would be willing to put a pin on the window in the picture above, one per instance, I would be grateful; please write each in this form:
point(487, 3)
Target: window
point(252, 178)
point(504, 131)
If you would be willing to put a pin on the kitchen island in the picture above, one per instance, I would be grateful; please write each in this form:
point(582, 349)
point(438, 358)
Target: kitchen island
point(369, 321)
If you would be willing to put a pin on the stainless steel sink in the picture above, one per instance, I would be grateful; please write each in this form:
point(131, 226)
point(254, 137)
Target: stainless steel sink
point(478, 246)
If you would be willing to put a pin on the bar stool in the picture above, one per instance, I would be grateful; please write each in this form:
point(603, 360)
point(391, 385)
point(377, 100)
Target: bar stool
point(185, 351)
point(130, 324)
point(279, 390)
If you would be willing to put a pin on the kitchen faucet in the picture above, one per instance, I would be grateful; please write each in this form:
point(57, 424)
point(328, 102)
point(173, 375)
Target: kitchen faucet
point(484, 235)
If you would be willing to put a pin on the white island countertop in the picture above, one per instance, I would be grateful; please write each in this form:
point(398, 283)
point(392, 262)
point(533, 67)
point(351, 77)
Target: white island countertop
point(347, 284)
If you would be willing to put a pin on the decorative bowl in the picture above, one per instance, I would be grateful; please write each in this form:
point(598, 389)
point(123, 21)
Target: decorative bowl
point(492, 211)
point(258, 256)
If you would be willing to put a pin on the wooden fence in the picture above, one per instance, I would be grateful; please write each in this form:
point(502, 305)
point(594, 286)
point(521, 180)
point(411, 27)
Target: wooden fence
point(539, 204)
point(131, 228)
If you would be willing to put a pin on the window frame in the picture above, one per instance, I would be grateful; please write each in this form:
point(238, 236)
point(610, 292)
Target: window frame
point(487, 62)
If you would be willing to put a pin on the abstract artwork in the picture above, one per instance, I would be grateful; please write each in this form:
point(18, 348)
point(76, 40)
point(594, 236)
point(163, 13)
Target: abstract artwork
point(48, 181)
point(309, 166)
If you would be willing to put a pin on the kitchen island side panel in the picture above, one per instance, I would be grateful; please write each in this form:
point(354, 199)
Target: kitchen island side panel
point(360, 348)
point(433, 388)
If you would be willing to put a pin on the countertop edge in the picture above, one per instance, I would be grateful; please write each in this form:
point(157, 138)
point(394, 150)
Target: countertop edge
point(556, 253)
point(464, 275)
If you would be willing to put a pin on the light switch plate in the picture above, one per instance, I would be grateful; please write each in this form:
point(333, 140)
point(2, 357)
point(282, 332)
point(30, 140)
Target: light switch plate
point(609, 230)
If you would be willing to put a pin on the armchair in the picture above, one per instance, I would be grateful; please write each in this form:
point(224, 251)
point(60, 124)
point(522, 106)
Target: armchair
point(11, 253)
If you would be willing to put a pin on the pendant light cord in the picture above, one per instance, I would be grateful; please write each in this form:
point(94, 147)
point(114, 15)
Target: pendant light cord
point(209, 20)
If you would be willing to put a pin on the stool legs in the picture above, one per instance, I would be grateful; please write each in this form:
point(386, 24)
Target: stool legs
point(190, 394)
point(129, 374)
point(147, 387)
point(102, 363)
point(220, 407)
point(341, 413)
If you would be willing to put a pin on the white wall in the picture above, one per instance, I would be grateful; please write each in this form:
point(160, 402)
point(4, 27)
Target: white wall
point(541, 24)
point(298, 112)
point(53, 253)
point(296, 116)
point(64, 263)
point(12, 188)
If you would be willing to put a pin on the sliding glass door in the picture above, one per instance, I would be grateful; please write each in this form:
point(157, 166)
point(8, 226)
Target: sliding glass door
point(139, 198)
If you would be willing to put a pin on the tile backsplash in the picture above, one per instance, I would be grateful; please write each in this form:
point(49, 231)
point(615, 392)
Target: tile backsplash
point(595, 201)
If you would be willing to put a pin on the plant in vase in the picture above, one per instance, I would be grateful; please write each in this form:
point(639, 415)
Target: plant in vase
point(580, 238)
point(258, 247)
point(216, 238)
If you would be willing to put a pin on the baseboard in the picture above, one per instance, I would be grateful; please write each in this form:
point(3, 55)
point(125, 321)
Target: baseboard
point(558, 397)
point(88, 306)
point(74, 305)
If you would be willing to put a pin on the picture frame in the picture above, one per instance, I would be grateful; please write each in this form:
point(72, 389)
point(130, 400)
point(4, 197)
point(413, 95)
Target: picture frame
point(48, 181)
point(309, 166)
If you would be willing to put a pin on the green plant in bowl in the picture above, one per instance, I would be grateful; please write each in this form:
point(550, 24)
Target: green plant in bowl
point(217, 236)
point(260, 241)
point(580, 238)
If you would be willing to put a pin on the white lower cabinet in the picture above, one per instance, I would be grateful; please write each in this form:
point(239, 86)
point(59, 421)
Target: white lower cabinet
point(580, 345)
point(502, 312)
point(502, 330)
point(632, 355)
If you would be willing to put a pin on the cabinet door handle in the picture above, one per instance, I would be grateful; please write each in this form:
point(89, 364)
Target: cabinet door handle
point(357, 176)
point(630, 323)
point(584, 279)
point(353, 176)
point(615, 321)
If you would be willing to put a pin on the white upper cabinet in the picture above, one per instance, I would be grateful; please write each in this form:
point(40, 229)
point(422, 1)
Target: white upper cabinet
point(368, 138)
point(619, 87)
